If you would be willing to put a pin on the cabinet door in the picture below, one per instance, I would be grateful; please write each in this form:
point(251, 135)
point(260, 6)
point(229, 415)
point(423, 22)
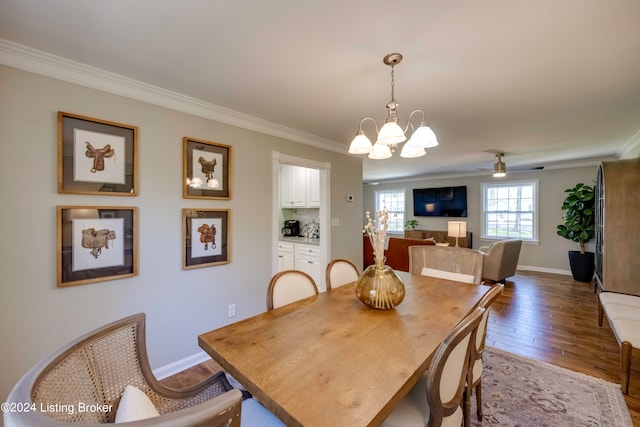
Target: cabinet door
point(285, 261)
point(293, 186)
point(313, 188)
point(310, 265)
point(285, 256)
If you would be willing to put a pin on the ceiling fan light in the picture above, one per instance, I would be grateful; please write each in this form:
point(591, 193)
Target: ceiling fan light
point(499, 167)
point(423, 137)
point(391, 134)
point(360, 144)
point(380, 152)
point(410, 151)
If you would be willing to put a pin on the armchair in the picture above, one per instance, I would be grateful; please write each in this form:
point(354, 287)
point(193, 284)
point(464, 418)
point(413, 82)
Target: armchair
point(500, 259)
point(95, 369)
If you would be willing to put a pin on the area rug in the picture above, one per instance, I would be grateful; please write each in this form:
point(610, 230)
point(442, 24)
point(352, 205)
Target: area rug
point(518, 391)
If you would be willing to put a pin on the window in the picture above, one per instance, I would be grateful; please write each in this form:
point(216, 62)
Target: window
point(393, 202)
point(510, 210)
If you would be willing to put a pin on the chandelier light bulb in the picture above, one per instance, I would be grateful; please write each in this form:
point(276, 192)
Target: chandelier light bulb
point(391, 134)
point(423, 137)
point(410, 151)
point(380, 152)
point(360, 144)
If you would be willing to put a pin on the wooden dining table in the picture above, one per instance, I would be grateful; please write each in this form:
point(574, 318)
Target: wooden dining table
point(328, 360)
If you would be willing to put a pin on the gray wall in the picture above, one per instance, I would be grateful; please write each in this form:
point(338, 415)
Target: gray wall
point(550, 254)
point(37, 317)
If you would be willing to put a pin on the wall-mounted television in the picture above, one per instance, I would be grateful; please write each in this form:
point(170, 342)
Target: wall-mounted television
point(440, 201)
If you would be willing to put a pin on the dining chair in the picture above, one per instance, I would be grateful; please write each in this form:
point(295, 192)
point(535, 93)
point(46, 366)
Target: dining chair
point(460, 264)
point(288, 286)
point(97, 369)
point(475, 362)
point(437, 398)
point(340, 272)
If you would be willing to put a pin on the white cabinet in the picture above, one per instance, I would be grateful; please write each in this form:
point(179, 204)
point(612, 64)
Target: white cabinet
point(285, 256)
point(300, 187)
point(294, 187)
point(300, 256)
point(307, 259)
point(313, 188)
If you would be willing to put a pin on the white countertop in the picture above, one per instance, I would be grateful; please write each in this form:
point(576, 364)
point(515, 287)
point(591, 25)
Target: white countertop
point(300, 240)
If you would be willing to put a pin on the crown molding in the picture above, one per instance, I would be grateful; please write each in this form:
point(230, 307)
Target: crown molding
point(39, 62)
point(631, 149)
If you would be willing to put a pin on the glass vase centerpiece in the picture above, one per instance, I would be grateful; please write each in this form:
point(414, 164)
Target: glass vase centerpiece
point(379, 286)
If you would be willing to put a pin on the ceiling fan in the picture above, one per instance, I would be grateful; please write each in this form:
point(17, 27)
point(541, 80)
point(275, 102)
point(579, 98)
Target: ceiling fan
point(499, 168)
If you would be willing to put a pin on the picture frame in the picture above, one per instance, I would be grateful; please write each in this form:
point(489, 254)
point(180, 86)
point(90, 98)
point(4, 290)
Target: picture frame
point(96, 157)
point(205, 237)
point(206, 169)
point(96, 244)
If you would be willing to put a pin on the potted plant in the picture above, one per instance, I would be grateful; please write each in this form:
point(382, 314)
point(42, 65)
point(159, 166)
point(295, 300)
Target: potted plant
point(411, 224)
point(579, 226)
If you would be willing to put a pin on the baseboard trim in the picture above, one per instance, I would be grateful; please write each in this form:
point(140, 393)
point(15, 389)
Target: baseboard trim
point(180, 365)
point(544, 270)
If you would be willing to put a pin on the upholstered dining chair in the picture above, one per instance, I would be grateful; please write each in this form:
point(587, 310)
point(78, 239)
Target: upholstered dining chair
point(340, 272)
point(437, 398)
point(97, 367)
point(475, 363)
point(461, 264)
point(288, 286)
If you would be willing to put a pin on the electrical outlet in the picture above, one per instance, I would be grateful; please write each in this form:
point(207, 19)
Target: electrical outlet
point(231, 310)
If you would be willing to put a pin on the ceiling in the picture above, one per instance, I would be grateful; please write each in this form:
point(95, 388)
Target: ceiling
point(546, 82)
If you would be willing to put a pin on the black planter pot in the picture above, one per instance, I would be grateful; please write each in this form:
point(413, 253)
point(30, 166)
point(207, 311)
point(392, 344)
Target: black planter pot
point(582, 265)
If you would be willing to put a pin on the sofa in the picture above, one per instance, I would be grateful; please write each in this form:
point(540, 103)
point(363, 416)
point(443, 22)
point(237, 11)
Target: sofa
point(396, 252)
point(500, 259)
point(440, 236)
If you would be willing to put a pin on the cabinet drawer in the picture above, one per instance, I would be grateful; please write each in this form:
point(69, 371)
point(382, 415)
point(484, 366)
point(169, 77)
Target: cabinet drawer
point(309, 250)
point(285, 246)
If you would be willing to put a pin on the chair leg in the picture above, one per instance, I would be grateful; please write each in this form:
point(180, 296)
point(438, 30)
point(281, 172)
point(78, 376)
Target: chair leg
point(479, 399)
point(466, 406)
point(600, 312)
point(625, 365)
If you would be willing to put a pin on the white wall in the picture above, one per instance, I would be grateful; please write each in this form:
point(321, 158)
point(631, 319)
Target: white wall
point(37, 317)
point(551, 253)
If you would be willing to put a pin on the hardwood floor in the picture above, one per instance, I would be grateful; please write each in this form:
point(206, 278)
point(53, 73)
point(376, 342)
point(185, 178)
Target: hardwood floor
point(543, 316)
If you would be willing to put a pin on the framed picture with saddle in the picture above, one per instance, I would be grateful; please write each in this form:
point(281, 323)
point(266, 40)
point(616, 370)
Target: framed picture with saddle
point(96, 243)
point(96, 156)
point(205, 237)
point(205, 167)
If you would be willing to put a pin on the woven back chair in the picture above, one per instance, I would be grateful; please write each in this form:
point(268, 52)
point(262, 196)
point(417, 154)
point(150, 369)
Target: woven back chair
point(340, 272)
point(461, 261)
point(95, 369)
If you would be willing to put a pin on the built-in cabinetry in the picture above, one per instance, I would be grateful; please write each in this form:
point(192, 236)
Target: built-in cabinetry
point(307, 259)
point(300, 256)
point(300, 187)
point(285, 256)
point(617, 227)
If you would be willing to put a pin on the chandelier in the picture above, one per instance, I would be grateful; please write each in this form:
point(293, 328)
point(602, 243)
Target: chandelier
point(391, 134)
